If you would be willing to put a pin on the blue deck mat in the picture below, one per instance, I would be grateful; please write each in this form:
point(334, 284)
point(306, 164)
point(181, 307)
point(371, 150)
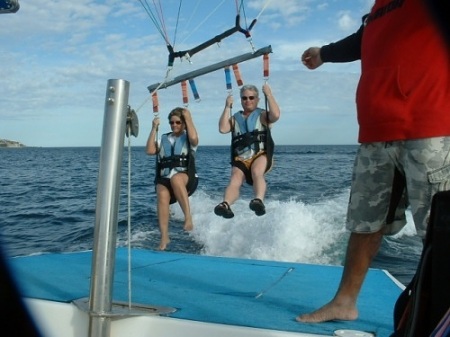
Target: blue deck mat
point(260, 294)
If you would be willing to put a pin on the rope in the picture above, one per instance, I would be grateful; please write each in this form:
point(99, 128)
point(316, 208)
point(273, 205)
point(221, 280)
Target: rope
point(158, 21)
point(156, 89)
point(176, 25)
point(247, 28)
point(202, 22)
point(242, 9)
point(266, 78)
point(163, 23)
point(261, 293)
point(262, 10)
point(193, 12)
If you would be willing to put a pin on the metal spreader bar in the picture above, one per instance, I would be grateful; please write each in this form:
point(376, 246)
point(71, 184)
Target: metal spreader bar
point(211, 68)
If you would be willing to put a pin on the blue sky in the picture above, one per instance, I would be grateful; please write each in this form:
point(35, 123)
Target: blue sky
point(57, 56)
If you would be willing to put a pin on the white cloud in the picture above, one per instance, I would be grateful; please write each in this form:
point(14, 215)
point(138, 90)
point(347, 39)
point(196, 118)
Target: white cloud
point(291, 12)
point(346, 22)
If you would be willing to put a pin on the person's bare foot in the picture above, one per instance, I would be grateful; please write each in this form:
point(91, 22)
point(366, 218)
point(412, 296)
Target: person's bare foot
point(329, 312)
point(188, 225)
point(163, 244)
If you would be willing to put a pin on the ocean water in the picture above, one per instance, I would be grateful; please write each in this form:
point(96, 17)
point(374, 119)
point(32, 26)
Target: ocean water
point(48, 198)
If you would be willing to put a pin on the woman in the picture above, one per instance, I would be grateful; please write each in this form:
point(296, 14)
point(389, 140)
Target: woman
point(176, 177)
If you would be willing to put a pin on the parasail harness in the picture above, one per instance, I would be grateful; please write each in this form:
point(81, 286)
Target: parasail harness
point(255, 139)
point(177, 158)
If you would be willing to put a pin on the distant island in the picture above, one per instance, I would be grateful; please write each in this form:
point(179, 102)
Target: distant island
point(10, 143)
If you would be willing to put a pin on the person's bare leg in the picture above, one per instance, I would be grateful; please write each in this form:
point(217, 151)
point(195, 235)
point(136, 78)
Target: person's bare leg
point(233, 189)
point(178, 182)
point(163, 215)
point(361, 250)
point(259, 181)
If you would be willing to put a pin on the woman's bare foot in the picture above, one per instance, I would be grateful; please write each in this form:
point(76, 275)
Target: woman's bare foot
point(163, 244)
point(329, 312)
point(188, 225)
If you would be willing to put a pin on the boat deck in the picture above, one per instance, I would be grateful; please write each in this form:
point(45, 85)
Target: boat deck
point(231, 291)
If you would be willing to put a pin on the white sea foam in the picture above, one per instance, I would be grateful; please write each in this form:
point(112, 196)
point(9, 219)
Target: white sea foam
point(290, 230)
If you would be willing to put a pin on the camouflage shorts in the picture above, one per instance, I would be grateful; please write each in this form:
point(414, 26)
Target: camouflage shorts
point(388, 177)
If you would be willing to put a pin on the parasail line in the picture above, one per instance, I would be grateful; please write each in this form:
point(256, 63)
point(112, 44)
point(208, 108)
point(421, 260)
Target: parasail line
point(203, 21)
point(262, 10)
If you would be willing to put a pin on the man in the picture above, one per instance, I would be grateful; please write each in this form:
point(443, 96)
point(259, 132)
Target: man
point(251, 147)
point(403, 106)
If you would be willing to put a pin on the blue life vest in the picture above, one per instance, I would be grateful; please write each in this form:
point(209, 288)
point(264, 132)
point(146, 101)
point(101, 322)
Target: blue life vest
point(249, 134)
point(173, 156)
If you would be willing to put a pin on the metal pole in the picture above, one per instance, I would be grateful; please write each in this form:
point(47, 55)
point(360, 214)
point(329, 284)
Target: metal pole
point(108, 192)
point(211, 68)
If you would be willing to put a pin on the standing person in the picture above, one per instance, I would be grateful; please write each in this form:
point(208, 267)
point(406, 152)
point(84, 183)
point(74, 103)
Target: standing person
point(403, 107)
point(176, 177)
point(251, 147)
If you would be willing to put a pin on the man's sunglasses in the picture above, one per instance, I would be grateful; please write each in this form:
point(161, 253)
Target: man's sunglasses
point(251, 98)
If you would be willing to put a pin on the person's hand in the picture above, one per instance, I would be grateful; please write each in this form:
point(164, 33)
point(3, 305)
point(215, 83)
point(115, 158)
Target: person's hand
point(266, 90)
point(186, 114)
point(155, 122)
point(311, 58)
point(229, 101)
